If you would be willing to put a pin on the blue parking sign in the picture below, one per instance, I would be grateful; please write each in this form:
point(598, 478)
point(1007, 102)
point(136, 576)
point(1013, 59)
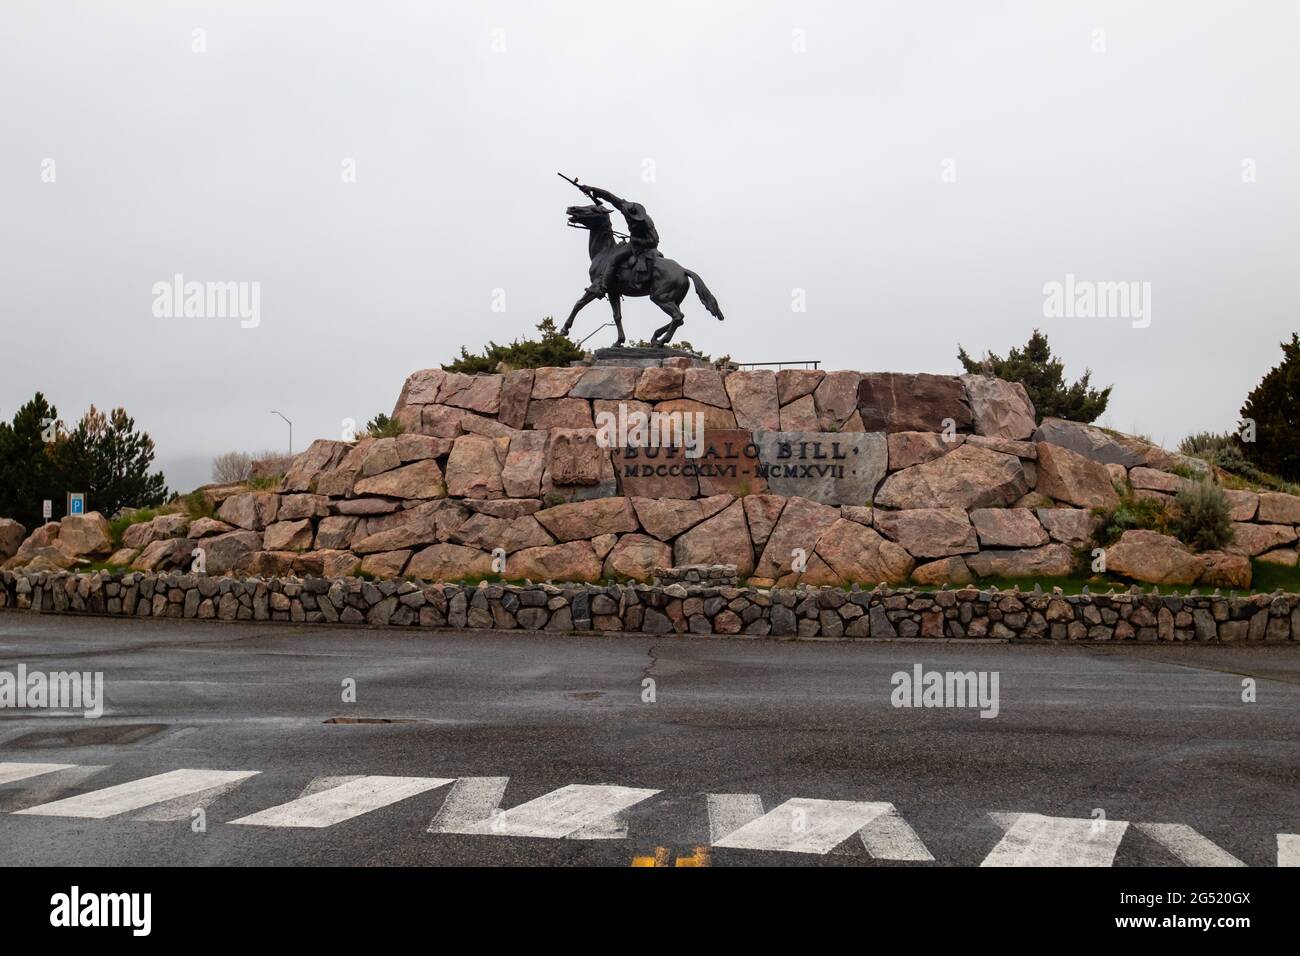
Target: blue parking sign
point(77, 503)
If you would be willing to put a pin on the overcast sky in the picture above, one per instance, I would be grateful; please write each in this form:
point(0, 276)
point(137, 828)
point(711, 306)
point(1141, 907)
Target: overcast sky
point(778, 146)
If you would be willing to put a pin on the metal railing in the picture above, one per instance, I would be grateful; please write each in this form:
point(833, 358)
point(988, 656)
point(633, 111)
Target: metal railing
point(802, 363)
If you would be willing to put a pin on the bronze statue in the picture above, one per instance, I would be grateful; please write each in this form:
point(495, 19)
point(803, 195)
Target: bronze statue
point(633, 268)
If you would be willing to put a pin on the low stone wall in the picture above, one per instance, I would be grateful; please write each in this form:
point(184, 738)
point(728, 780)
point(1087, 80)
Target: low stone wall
point(800, 612)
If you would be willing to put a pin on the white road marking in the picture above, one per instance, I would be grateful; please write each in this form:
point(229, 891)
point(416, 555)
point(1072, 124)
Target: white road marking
point(889, 837)
point(10, 772)
point(802, 825)
point(1032, 839)
point(347, 800)
point(182, 808)
point(470, 801)
point(47, 787)
point(570, 811)
point(728, 812)
point(138, 794)
point(1288, 849)
point(1191, 848)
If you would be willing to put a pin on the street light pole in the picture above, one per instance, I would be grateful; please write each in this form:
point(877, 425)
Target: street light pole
point(290, 424)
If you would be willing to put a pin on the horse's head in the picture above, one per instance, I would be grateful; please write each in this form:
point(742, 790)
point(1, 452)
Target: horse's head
point(588, 217)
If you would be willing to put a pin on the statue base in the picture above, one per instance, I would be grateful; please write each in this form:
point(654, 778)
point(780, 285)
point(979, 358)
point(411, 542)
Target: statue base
point(649, 357)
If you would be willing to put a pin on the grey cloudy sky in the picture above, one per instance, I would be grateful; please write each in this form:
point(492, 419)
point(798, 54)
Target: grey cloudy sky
point(766, 169)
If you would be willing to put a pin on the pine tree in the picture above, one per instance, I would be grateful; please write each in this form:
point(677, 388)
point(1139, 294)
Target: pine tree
point(1043, 376)
point(28, 475)
point(108, 459)
point(1274, 406)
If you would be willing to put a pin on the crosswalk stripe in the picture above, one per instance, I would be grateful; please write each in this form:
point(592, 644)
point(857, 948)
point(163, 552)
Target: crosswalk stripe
point(889, 837)
point(138, 794)
point(470, 801)
point(11, 772)
point(1032, 839)
point(801, 825)
point(182, 808)
point(48, 786)
point(347, 800)
point(728, 812)
point(1288, 849)
point(572, 811)
point(1191, 848)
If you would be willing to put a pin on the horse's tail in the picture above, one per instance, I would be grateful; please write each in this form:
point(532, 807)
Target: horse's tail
point(705, 295)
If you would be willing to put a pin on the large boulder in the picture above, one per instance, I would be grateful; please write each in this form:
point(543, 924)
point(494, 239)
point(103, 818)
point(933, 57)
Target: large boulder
point(165, 554)
point(1153, 558)
point(552, 383)
point(143, 533)
point(1066, 475)
point(478, 393)
point(510, 534)
point(11, 538)
point(754, 399)
point(1278, 508)
point(1051, 560)
point(969, 477)
point(897, 402)
point(421, 479)
point(927, 532)
point(636, 556)
point(944, 571)
point(762, 513)
point(659, 384)
point(226, 552)
point(571, 561)
point(475, 466)
point(608, 382)
point(1000, 408)
point(666, 518)
point(836, 399)
point(449, 562)
point(721, 539)
point(1242, 505)
point(1008, 528)
point(801, 525)
point(288, 536)
point(321, 455)
point(525, 463)
point(252, 510)
point(1223, 570)
point(385, 564)
point(85, 536)
point(588, 519)
point(704, 385)
point(43, 541)
point(1072, 526)
point(857, 554)
point(1094, 443)
point(1251, 539)
point(915, 448)
point(800, 415)
point(335, 532)
point(793, 384)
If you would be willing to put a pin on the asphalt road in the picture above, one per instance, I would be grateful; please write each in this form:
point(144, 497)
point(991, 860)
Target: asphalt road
point(1089, 738)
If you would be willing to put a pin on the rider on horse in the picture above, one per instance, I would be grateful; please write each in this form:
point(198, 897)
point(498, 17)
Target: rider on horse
point(642, 244)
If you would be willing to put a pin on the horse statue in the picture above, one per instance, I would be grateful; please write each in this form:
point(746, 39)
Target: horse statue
point(632, 268)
